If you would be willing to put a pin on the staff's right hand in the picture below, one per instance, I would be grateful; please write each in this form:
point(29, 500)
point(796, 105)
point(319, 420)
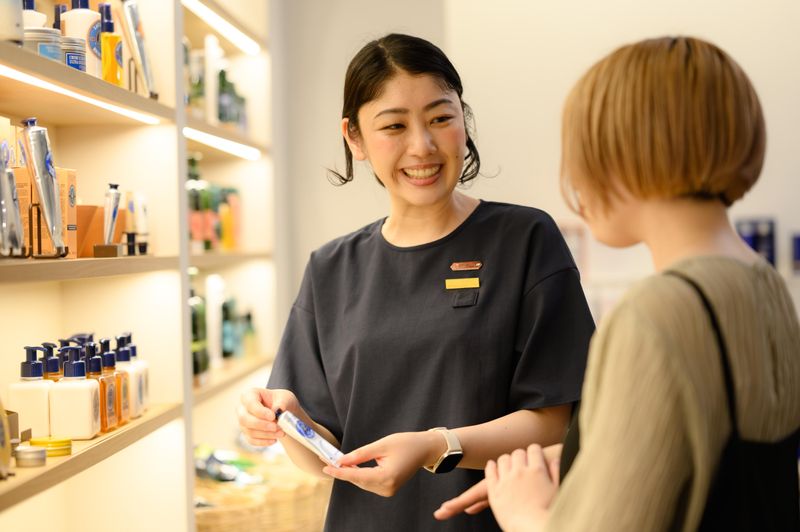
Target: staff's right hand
point(256, 413)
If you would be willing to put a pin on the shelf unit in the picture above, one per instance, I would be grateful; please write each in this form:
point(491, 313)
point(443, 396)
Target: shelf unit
point(28, 482)
point(111, 134)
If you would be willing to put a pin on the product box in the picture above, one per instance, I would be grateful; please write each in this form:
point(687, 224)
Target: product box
point(90, 228)
point(28, 193)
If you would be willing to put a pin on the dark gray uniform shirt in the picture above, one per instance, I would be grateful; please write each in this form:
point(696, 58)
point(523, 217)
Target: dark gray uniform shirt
point(375, 344)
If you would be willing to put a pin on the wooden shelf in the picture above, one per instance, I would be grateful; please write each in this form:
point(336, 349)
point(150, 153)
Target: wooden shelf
point(210, 153)
point(21, 100)
point(28, 482)
point(230, 373)
point(196, 29)
point(30, 270)
point(221, 260)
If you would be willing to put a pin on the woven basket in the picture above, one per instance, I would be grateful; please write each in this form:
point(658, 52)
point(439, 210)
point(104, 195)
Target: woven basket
point(288, 501)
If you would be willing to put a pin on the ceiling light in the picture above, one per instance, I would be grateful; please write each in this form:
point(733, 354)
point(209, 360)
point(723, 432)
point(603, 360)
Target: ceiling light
point(218, 143)
point(223, 27)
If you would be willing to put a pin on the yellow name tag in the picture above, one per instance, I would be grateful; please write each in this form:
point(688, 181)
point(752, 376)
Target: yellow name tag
point(468, 282)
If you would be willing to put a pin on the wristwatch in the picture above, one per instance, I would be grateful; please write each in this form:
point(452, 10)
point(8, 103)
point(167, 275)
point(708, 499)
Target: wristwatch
point(451, 457)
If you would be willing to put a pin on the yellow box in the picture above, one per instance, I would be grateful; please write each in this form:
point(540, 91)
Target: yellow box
point(466, 282)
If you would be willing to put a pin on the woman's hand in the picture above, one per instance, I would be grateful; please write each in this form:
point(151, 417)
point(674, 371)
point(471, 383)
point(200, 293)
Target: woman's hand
point(521, 487)
point(399, 456)
point(256, 413)
point(476, 498)
point(472, 501)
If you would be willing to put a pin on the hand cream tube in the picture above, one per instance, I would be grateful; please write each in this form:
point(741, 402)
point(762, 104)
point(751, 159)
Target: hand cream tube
point(10, 222)
point(39, 160)
point(111, 212)
point(301, 432)
point(132, 25)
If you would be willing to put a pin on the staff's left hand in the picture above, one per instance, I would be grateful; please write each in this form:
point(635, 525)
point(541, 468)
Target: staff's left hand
point(399, 456)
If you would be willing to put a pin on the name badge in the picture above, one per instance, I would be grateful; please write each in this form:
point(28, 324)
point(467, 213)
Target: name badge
point(466, 266)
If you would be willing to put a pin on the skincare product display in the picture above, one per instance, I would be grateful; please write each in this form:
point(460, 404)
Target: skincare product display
point(214, 213)
point(759, 234)
point(230, 106)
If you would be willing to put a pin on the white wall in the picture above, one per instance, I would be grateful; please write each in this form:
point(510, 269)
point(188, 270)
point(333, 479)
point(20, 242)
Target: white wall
point(518, 59)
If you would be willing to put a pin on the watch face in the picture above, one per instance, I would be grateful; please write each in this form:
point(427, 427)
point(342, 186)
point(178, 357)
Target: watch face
point(449, 463)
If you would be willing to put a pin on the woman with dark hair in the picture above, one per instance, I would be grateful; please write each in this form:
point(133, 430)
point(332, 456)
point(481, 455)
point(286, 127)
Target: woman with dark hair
point(461, 316)
point(690, 417)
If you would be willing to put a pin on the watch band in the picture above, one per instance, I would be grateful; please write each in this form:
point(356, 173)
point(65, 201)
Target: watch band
point(453, 447)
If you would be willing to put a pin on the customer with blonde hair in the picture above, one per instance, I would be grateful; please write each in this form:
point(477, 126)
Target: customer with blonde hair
point(691, 402)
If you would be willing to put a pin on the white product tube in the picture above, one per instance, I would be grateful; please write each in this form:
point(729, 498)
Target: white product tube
point(301, 432)
point(111, 212)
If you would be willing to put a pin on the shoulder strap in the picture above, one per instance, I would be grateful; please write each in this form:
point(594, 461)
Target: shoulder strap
point(723, 351)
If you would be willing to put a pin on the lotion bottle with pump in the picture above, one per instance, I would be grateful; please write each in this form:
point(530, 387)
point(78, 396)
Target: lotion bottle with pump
point(30, 396)
point(143, 367)
point(110, 48)
point(122, 397)
point(108, 388)
point(135, 386)
point(75, 401)
point(30, 17)
point(52, 364)
point(82, 22)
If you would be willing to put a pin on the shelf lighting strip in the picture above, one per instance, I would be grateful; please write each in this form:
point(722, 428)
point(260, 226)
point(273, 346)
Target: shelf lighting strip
point(218, 143)
point(223, 27)
point(10, 73)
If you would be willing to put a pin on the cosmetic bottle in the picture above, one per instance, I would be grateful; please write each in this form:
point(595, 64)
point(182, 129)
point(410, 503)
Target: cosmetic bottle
point(143, 368)
point(75, 401)
point(196, 190)
point(11, 28)
point(140, 215)
point(108, 388)
point(53, 369)
point(111, 212)
point(110, 48)
point(40, 164)
point(135, 385)
point(130, 223)
point(58, 10)
point(84, 23)
point(121, 392)
point(30, 396)
point(30, 17)
point(200, 361)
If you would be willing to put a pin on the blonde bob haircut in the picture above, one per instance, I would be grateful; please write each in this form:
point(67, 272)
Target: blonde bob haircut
point(663, 118)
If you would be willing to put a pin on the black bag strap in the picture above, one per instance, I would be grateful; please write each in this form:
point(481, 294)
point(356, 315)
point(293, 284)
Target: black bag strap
point(723, 350)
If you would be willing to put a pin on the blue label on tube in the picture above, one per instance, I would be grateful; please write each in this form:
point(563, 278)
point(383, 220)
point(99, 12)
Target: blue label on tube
point(75, 60)
point(50, 51)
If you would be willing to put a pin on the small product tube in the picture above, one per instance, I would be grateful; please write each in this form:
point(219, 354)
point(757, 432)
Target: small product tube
point(11, 231)
point(110, 48)
point(31, 395)
point(39, 160)
point(134, 33)
point(140, 216)
point(111, 212)
point(304, 434)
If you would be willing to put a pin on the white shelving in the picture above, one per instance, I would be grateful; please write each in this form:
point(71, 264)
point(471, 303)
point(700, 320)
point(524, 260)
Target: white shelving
point(110, 134)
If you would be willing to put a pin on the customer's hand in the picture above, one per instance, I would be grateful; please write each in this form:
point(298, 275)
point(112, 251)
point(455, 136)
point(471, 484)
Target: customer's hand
point(472, 501)
point(398, 456)
point(521, 488)
point(476, 498)
point(256, 413)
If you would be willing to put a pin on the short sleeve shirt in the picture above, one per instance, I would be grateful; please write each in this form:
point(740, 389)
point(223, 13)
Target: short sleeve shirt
point(376, 343)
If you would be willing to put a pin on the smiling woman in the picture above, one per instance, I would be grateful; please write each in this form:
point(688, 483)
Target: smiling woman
point(439, 337)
